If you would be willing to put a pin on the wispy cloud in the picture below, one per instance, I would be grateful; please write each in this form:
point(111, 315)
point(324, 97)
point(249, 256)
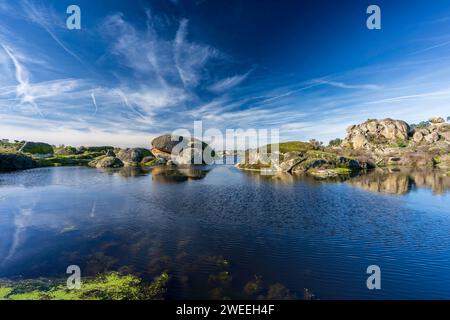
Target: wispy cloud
point(343, 85)
point(227, 83)
point(23, 88)
point(94, 102)
point(47, 19)
point(190, 58)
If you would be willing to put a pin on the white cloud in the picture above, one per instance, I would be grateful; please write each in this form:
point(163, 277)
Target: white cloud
point(227, 83)
point(23, 91)
point(343, 85)
point(48, 20)
point(190, 58)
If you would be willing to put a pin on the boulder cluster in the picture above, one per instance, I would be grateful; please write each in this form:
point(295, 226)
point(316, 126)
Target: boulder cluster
point(375, 132)
point(179, 150)
point(394, 142)
point(166, 149)
point(124, 157)
point(436, 131)
point(370, 144)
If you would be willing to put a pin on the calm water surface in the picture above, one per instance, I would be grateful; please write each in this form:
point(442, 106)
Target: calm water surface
point(214, 229)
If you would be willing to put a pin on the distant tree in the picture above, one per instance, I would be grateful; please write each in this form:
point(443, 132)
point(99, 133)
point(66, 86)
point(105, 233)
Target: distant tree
point(335, 142)
point(420, 125)
point(317, 145)
point(448, 119)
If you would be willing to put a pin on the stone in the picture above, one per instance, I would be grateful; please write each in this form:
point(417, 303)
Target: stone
point(161, 154)
point(166, 145)
point(437, 120)
point(133, 156)
point(189, 156)
point(110, 153)
point(445, 135)
point(373, 132)
point(290, 159)
point(432, 137)
point(66, 151)
point(417, 137)
point(106, 162)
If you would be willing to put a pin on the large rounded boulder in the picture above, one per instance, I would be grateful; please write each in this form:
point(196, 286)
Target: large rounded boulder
point(41, 148)
point(106, 162)
point(133, 156)
point(182, 150)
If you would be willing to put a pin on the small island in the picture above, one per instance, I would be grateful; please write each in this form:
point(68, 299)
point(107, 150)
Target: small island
point(371, 144)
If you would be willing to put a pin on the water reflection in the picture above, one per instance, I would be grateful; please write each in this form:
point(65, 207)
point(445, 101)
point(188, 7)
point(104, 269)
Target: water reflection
point(402, 181)
point(230, 233)
point(166, 174)
point(393, 181)
point(282, 178)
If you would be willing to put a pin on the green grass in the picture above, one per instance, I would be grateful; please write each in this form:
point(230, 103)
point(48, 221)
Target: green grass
point(290, 146)
point(112, 286)
point(150, 163)
point(68, 160)
point(398, 144)
point(343, 171)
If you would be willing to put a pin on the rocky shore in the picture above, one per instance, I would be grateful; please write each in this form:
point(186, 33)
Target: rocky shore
point(371, 144)
point(164, 151)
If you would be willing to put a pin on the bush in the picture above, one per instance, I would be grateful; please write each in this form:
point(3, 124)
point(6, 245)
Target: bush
point(335, 142)
point(420, 125)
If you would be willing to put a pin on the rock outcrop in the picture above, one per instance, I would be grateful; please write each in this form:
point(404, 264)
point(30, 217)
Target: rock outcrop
point(438, 131)
point(106, 162)
point(375, 132)
point(37, 148)
point(181, 150)
point(16, 161)
point(134, 156)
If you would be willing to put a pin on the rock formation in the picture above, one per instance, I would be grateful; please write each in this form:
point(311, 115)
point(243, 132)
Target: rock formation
point(181, 150)
point(134, 156)
point(106, 162)
point(37, 148)
point(374, 132)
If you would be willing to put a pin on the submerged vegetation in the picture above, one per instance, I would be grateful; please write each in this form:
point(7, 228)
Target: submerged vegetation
point(110, 286)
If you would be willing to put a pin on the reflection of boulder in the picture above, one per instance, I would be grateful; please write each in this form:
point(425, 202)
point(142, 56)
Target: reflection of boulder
point(178, 174)
point(13, 162)
point(383, 182)
point(283, 178)
point(401, 181)
point(131, 171)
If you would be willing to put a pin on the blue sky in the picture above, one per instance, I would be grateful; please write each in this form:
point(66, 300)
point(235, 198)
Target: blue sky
point(137, 69)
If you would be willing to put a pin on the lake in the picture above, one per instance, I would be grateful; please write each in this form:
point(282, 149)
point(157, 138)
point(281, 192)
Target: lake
point(216, 229)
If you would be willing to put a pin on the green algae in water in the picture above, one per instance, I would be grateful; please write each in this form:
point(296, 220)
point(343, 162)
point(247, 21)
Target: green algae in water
point(111, 286)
